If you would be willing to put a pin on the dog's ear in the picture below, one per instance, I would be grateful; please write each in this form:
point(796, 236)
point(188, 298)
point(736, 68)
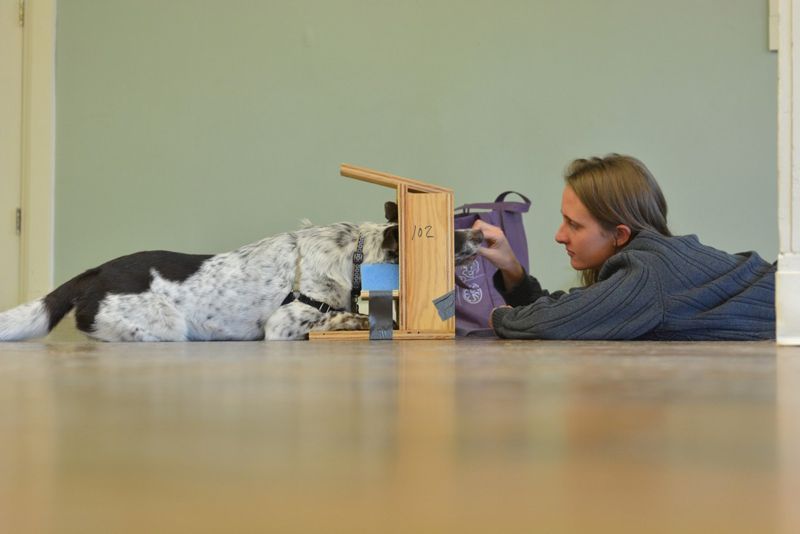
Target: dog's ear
point(391, 239)
point(390, 209)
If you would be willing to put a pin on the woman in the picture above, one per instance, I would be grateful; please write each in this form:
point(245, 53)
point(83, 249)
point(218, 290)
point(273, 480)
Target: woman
point(640, 282)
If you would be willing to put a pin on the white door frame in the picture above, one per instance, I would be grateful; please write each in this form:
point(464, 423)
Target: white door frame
point(787, 282)
point(38, 148)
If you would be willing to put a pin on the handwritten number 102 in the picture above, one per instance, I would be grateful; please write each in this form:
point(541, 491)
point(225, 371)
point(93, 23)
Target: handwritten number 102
point(422, 231)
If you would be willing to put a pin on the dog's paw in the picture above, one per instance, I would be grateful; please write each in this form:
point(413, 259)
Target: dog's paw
point(349, 321)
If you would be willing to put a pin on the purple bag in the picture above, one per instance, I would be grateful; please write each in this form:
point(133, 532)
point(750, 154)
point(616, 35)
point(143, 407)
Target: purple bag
point(475, 304)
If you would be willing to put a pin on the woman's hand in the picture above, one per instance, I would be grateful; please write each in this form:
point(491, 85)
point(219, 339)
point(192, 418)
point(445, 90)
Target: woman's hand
point(498, 251)
point(490, 315)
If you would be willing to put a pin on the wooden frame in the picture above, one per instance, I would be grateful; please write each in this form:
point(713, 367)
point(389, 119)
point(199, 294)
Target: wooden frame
point(425, 222)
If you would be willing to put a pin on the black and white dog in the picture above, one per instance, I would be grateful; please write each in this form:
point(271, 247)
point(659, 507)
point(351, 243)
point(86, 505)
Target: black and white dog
point(278, 288)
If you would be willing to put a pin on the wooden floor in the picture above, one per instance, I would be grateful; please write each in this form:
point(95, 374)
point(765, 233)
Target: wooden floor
point(409, 437)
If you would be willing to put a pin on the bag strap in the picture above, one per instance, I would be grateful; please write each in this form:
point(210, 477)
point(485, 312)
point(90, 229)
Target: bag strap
point(502, 196)
point(516, 207)
point(499, 204)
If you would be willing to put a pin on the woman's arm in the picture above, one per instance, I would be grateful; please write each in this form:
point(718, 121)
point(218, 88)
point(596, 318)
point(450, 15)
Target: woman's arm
point(526, 291)
point(626, 304)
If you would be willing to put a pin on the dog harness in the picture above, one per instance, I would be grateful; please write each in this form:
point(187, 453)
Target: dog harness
point(321, 306)
point(358, 259)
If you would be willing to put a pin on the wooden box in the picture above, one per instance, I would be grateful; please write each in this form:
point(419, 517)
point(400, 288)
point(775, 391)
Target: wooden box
point(425, 223)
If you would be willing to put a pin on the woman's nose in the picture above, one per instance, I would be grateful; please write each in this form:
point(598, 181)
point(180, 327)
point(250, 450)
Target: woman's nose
point(561, 235)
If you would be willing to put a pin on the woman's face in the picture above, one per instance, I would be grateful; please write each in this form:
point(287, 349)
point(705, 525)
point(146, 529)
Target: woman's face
point(588, 244)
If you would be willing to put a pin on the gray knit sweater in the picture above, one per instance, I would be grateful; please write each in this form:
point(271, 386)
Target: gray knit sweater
point(657, 287)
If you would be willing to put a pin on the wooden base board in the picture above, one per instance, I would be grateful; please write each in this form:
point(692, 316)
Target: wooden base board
point(350, 335)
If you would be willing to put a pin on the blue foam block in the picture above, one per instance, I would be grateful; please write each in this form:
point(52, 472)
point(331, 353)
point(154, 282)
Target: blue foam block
point(380, 276)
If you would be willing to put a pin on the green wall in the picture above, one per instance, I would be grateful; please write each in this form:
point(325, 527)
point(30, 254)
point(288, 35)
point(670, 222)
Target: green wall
point(199, 126)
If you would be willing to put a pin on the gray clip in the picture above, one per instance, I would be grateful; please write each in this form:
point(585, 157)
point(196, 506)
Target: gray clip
point(380, 314)
point(446, 305)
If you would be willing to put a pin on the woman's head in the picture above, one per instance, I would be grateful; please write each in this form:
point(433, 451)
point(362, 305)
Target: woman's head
point(607, 201)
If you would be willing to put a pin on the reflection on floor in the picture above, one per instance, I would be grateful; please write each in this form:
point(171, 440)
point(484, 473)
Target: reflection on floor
point(417, 436)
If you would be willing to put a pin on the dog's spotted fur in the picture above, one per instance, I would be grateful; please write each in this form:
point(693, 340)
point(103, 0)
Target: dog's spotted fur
point(168, 296)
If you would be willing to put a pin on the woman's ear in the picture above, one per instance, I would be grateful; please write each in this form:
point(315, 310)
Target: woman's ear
point(622, 234)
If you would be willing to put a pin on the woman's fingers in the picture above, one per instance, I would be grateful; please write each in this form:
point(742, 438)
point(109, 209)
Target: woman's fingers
point(491, 234)
point(496, 249)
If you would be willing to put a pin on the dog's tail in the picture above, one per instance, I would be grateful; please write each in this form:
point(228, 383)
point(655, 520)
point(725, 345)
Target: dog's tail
point(38, 317)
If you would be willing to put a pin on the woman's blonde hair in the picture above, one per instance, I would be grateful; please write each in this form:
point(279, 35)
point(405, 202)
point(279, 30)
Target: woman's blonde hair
point(617, 190)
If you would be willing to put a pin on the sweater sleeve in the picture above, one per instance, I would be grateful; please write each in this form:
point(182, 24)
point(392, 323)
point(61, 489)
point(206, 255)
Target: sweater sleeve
point(626, 304)
point(525, 292)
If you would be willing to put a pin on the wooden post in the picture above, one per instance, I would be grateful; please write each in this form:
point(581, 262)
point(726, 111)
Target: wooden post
point(427, 243)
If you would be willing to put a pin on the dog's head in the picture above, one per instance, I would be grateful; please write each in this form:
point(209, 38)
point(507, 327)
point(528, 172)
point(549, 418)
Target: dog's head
point(466, 242)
